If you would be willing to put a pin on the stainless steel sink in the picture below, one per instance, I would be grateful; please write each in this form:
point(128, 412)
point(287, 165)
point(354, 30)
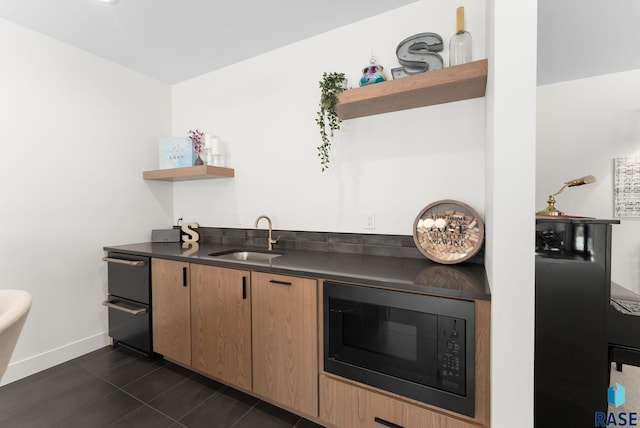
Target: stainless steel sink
point(248, 256)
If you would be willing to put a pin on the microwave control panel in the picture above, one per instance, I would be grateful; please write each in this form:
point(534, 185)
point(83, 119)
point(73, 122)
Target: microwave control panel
point(451, 355)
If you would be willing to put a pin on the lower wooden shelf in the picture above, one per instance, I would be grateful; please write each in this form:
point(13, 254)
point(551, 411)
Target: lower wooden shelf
point(200, 172)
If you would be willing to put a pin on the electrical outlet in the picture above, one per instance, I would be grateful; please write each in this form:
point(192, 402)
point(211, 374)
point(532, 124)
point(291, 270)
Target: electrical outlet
point(370, 221)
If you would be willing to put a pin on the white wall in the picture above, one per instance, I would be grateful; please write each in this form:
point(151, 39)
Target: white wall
point(77, 132)
point(511, 101)
point(394, 164)
point(582, 126)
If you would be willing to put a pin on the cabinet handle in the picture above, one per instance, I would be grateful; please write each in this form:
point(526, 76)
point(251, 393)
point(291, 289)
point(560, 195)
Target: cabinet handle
point(386, 423)
point(125, 262)
point(112, 305)
point(275, 281)
point(184, 276)
point(244, 287)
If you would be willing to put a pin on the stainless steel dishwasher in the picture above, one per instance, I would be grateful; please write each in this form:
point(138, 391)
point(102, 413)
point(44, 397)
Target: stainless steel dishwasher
point(129, 301)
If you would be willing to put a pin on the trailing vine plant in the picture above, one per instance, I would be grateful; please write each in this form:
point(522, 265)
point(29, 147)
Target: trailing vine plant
point(327, 118)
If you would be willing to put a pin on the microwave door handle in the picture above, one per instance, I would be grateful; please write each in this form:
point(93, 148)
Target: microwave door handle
point(342, 311)
point(110, 304)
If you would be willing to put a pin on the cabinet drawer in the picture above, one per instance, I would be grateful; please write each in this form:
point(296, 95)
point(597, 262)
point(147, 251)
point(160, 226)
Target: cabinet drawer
point(348, 406)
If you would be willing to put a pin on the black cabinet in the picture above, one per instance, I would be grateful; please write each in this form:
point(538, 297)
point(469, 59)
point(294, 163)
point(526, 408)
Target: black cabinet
point(573, 276)
point(129, 301)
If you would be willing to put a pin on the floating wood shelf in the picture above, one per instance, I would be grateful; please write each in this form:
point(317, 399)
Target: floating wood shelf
point(461, 82)
point(199, 172)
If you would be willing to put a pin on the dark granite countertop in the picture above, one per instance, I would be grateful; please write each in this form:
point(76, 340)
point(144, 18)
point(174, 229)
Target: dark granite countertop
point(467, 281)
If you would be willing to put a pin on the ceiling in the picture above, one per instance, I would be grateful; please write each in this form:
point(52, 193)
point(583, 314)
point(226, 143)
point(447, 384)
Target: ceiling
point(176, 40)
point(585, 38)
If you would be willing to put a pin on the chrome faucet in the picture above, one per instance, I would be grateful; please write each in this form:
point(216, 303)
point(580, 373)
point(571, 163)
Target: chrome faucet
point(270, 241)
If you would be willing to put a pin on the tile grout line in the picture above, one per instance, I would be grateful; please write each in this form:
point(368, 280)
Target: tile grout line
point(142, 402)
point(97, 376)
point(119, 388)
point(153, 408)
point(148, 405)
point(136, 398)
point(245, 414)
point(105, 372)
point(121, 364)
point(217, 392)
point(127, 384)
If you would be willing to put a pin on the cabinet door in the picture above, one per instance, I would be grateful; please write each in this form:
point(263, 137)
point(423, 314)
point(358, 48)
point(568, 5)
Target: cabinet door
point(221, 323)
point(170, 309)
point(285, 340)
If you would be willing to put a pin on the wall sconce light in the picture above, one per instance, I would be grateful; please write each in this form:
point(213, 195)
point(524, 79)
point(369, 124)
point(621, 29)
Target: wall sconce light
point(551, 210)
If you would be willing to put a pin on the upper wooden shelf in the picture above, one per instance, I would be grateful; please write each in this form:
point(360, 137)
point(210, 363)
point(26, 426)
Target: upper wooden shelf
point(460, 82)
point(199, 172)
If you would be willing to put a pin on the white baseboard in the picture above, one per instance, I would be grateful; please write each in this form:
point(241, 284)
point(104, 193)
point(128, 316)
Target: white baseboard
point(37, 363)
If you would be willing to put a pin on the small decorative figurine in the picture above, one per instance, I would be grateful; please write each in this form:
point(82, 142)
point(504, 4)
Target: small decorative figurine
point(373, 73)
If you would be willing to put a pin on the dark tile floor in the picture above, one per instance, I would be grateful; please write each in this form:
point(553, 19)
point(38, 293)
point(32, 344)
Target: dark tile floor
point(118, 388)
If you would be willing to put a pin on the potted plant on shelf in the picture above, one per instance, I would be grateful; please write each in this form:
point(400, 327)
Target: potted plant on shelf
point(327, 118)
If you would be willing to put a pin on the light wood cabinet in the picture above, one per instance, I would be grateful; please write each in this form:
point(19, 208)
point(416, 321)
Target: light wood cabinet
point(345, 405)
point(221, 323)
point(254, 330)
point(171, 309)
point(260, 332)
point(285, 340)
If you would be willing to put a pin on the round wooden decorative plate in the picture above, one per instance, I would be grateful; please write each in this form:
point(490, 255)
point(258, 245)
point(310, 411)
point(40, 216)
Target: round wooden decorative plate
point(448, 231)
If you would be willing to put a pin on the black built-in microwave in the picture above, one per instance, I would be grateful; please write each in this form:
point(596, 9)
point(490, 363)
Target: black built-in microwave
point(415, 345)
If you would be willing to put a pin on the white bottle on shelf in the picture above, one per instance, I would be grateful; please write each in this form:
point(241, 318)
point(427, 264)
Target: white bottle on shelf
point(214, 151)
point(460, 43)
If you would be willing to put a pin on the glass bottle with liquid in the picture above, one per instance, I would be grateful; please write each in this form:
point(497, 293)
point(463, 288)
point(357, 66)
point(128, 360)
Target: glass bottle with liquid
point(460, 43)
